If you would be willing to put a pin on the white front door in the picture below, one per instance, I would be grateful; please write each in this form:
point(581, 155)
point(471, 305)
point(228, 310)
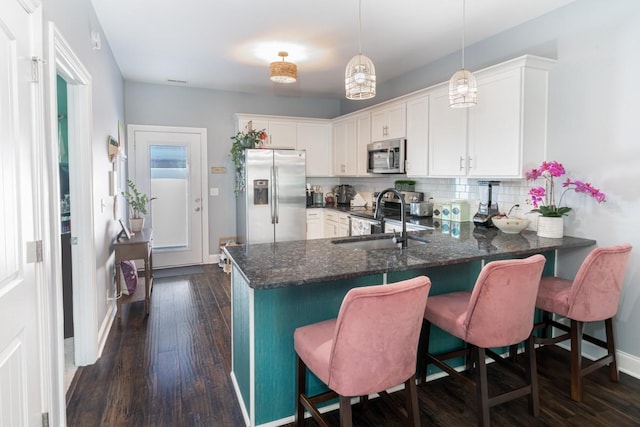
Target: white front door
point(20, 367)
point(166, 163)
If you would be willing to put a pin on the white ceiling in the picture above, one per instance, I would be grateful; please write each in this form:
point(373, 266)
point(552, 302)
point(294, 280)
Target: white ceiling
point(228, 44)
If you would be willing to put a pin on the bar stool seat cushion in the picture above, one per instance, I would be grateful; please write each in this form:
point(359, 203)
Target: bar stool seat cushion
point(554, 294)
point(316, 352)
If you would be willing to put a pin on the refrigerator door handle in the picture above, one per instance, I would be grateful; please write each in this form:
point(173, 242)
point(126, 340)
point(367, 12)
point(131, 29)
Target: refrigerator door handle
point(276, 195)
point(272, 190)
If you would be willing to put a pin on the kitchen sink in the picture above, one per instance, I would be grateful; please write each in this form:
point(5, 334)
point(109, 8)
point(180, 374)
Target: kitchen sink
point(373, 244)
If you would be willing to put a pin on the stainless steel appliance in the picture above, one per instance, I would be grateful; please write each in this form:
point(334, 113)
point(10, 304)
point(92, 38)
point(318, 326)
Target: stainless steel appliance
point(487, 208)
point(392, 202)
point(387, 156)
point(343, 194)
point(273, 206)
point(359, 226)
point(421, 208)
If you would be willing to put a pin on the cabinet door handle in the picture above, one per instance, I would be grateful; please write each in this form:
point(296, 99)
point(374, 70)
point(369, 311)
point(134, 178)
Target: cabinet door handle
point(469, 164)
point(461, 163)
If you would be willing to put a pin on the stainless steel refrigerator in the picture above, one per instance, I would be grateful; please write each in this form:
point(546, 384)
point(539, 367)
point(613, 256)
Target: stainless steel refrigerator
point(273, 206)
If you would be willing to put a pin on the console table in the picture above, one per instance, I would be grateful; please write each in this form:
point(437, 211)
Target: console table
point(138, 247)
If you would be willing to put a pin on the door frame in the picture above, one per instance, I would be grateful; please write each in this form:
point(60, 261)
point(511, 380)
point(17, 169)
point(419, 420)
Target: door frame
point(204, 176)
point(61, 60)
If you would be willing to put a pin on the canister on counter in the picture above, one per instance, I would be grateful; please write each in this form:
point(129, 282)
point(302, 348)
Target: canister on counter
point(460, 211)
point(446, 210)
point(437, 210)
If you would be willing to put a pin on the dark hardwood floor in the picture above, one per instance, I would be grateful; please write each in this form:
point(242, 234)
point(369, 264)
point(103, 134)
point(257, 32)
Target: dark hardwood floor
point(172, 369)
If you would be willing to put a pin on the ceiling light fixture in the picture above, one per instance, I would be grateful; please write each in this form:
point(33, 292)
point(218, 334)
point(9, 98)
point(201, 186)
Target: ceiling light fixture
point(283, 71)
point(360, 75)
point(463, 89)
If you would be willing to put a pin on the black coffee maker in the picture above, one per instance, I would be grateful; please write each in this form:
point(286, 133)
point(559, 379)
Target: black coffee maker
point(344, 194)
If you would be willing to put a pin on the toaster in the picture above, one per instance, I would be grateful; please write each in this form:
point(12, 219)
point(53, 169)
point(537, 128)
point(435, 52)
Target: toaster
point(421, 208)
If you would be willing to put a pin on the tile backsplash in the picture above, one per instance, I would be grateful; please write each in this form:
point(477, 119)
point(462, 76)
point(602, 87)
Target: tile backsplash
point(507, 193)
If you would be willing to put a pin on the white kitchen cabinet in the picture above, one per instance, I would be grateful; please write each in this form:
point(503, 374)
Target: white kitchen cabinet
point(315, 223)
point(389, 122)
point(363, 136)
point(447, 135)
point(315, 139)
point(507, 133)
point(417, 136)
point(345, 148)
point(331, 224)
point(281, 133)
point(336, 224)
point(504, 134)
point(343, 225)
point(350, 138)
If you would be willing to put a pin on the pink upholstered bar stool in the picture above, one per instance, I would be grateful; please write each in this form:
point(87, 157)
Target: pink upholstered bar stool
point(592, 296)
point(369, 348)
point(498, 312)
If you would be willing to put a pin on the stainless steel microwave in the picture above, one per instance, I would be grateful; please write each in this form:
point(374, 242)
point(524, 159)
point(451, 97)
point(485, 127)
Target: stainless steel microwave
point(387, 156)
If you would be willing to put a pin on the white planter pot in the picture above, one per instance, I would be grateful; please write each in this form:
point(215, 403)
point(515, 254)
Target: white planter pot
point(136, 224)
point(550, 227)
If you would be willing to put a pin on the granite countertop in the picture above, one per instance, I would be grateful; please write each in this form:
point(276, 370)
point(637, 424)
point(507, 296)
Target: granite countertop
point(273, 265)
point(368, 212)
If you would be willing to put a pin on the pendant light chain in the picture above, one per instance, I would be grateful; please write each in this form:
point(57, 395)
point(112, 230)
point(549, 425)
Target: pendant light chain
point(360, 27)
point(464, 26)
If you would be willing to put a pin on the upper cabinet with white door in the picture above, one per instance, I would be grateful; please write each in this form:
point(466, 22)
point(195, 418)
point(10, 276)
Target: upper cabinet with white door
point(447, 135)
point(281, 132)
point(504, 134)
point(345, 148)
point(417, 135)
point(315, 138)
point(351, 134)
point(389, 121)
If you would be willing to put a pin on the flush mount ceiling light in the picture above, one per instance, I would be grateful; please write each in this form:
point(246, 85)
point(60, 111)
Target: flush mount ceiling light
point(360, 75)
point(463, 88)
point(283, 71)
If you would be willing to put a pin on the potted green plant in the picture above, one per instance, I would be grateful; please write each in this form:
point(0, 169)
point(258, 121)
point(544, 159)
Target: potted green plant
point(242, 141)
point(137, 202)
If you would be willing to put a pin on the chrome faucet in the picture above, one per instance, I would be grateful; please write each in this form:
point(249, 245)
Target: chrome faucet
point(403, 236)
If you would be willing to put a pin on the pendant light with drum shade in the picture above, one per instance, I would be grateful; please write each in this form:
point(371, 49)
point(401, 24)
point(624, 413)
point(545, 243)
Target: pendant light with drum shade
point(360, 75)
point(463, 89)
point(283, 71)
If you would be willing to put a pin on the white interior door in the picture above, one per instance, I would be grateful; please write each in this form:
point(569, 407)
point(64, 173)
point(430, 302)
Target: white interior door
point(20, 368)
point(168, 166)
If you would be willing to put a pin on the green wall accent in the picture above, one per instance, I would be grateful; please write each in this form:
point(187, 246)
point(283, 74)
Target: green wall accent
point(63, 129)
point(240, 330)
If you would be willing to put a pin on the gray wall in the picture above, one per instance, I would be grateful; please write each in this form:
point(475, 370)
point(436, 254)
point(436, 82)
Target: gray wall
point(75, 19)
point(148, 104)
point(593, 122)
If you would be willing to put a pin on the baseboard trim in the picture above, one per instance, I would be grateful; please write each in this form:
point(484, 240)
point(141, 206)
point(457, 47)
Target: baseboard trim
point(627, 363)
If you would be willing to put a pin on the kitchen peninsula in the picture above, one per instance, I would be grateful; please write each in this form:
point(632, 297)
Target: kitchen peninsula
point(277, 287)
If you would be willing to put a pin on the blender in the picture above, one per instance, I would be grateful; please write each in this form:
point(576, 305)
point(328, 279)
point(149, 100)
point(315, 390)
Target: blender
point(486, 209)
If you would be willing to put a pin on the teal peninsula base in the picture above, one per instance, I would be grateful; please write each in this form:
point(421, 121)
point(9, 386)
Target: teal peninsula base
point(272, 295)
